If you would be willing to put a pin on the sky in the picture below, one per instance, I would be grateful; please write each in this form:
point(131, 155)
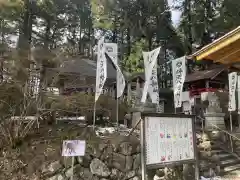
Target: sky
point(175, 14)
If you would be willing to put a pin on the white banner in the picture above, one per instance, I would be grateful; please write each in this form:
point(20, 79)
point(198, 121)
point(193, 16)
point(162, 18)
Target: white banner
point(238, 89)
point(112, 52)
point(179, 74)
point(101, 75)
point(150, 60)
point(232, 78)
point(153, 86)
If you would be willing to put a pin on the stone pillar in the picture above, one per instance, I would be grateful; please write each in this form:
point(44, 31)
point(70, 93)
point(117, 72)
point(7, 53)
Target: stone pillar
point(214, 114)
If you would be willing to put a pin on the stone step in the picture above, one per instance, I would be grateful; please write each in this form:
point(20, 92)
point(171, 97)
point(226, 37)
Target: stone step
point(216, 146)
point(216, 151)
point(237, 148)
point(225, 156)
point(229, 162)
point(232, 168)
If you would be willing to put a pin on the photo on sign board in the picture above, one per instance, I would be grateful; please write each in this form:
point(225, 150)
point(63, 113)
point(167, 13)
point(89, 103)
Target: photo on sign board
point(73, 148)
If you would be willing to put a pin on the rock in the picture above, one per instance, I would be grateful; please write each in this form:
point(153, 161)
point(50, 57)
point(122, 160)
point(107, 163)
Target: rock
point(156, 177)
point(204, 165)
point(218, 170)
point(215, 158)
point(218, 135)
point(75, 170)
point(61, 177)
point(95, 178)
point(86, 174)
point(85, 160)
point(119, 161)
point(116, 174)
point(53, 178)
point(102, 146)
point(209, 173)
point(107, 154)
point(54, 167)
point(139, 172)
point(57, 177)
point(138, 149)
point(205, 154)
point(130, 174)
point(126, 148)
point(93, 150)
point(99, 168)
point(135, 178)
point(205, 137)
point(80, 160)
point(205, 145)
point(188, 172)
point(137, 161)
point(129, 163)
point(160, 173)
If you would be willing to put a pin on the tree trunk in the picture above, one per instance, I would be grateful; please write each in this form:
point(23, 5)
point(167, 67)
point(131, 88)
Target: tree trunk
point(190, 39)
point(114, 38)
point(150, 43)
point(89, 41)
point(2, 50)
point(42, 85)
point(26, 28)
point(128, 42)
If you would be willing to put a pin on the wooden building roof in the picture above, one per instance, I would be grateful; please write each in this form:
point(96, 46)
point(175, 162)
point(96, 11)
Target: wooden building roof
point(225, 50)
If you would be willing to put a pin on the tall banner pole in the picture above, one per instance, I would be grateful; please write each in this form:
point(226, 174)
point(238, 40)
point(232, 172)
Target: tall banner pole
point(150, 59)
point(101, 74)
point(143, 163)
point(112, 52)
point(94, 114)
point(117, 112)
point(238, 94)
point(232, 78)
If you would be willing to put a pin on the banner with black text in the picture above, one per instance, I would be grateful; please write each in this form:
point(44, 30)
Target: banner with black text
point(179, 75)
point(232, 79)
point(101, 72)
point(150, 60)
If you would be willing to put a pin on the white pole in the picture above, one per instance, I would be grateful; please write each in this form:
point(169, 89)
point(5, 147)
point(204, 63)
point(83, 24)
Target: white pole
point(72, 167)
point(117, 111)
point(231, 130)
point(143, 165)
point(94, 114)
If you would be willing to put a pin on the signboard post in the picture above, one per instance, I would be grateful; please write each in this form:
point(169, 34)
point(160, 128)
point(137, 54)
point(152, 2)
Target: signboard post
point(167, 140)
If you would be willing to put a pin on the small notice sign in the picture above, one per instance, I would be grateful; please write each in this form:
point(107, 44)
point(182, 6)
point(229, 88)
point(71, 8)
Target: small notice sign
point(73, 148)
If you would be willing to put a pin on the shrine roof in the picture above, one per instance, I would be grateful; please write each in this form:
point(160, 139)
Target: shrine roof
point(224, 50)
point(202, 75)
point(85, 67)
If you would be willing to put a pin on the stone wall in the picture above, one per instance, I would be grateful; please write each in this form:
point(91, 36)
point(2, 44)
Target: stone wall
point(209, 152)
point(117, 157)
point(113, 156)
point(110, 158)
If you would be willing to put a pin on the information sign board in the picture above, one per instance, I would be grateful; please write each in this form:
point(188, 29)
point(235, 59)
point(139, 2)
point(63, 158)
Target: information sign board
point(168, 139)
